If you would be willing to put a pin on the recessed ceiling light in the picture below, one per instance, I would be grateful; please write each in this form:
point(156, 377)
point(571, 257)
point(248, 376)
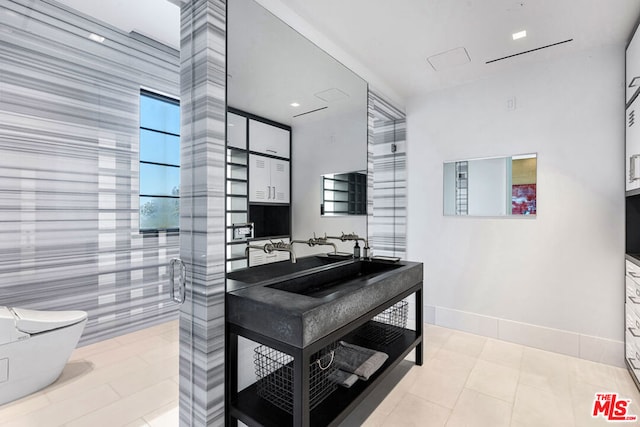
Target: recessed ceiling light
point(96, 38)
point(295, 104)
point(519, 35)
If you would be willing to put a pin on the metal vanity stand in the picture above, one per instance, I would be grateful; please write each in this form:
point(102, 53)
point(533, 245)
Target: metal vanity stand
point(252, 410)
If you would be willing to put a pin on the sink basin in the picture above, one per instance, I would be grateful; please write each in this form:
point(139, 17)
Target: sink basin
point(301, 307)
point(324, 283)
point(265, 272)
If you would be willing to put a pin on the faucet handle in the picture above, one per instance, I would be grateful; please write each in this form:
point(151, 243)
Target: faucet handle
point(281, 244)
point(351, 236)
point(268, 247)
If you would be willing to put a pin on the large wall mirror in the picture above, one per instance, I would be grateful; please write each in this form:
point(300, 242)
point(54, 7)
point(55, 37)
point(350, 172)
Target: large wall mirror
point(276, 74)
point(497, 186)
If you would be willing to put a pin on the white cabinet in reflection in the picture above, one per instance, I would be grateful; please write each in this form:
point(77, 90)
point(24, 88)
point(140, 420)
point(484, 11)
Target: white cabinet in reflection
point(268, 139)
point(269, 180)
point(632, 176)
point(236, 131)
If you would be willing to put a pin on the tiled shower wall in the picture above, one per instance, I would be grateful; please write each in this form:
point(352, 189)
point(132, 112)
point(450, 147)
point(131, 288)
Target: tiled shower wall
point(69, 167)
point(387, 222)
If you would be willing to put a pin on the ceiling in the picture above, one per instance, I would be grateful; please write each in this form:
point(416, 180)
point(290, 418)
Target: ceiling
point(270, 66)
point(394, 39)
point(157, 19)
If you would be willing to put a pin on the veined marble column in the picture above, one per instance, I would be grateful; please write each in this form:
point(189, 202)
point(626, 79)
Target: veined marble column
point(202, 221)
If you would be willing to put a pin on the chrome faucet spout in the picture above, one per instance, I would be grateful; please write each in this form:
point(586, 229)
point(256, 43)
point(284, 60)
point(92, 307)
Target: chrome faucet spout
point(335, 248)
point(261, 248)
point(353, 237)
point(316, 241)
point(285, 247)
point(273, 246)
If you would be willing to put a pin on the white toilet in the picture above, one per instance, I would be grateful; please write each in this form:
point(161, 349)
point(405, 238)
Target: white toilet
point(34, 348)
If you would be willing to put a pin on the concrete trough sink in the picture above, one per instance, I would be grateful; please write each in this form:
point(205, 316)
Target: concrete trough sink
point(304, 306)
point(327, 282)
point(280, 269)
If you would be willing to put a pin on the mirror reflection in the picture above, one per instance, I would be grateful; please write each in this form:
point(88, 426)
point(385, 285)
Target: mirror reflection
point(294, 114)
point(498, 186)
point(344, 194)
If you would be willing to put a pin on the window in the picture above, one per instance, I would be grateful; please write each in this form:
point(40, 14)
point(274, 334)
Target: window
point(344, 194)
point(159, 162)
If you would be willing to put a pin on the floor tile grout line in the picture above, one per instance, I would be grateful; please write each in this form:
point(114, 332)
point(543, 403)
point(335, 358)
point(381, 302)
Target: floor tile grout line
point(515, 393)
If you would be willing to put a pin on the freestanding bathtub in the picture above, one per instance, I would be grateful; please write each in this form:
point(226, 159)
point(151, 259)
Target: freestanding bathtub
point(34, 348)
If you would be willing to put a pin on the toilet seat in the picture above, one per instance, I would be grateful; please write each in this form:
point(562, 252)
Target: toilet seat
point(36, 321)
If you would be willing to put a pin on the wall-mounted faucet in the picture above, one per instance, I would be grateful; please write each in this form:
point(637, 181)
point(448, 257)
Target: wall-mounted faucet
point(317, 241)
point(273, 246)
point(353, 236)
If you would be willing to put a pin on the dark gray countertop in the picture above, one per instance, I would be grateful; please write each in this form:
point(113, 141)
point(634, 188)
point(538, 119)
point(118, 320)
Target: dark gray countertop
point(300, 320)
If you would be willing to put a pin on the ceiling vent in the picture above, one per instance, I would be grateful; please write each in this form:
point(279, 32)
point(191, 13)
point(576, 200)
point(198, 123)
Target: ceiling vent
point(529, 51)
point(449, 59)
point(311, 111)
point(332, 95)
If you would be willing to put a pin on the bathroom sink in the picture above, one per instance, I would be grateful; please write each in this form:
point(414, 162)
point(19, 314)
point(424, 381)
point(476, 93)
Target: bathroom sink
point(301, 307)
point(265, 272)
point(324, 283)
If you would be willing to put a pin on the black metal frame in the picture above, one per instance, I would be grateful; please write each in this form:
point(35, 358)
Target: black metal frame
point(247, 407)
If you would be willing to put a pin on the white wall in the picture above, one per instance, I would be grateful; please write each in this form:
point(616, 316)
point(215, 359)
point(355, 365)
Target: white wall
point(555, 281)
point(327, 141)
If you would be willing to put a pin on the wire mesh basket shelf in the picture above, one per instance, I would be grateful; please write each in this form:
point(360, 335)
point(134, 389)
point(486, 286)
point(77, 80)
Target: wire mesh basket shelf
point(387, 326)
point(274, 371)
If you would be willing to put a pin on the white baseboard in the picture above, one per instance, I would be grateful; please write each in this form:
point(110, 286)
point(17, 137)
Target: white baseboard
point(602, 350)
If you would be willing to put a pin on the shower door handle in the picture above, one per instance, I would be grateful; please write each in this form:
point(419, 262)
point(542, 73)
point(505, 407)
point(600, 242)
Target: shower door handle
point(182, 280)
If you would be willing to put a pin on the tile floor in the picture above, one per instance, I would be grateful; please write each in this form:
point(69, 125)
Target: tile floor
point(466, 380)
point(131, 380)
